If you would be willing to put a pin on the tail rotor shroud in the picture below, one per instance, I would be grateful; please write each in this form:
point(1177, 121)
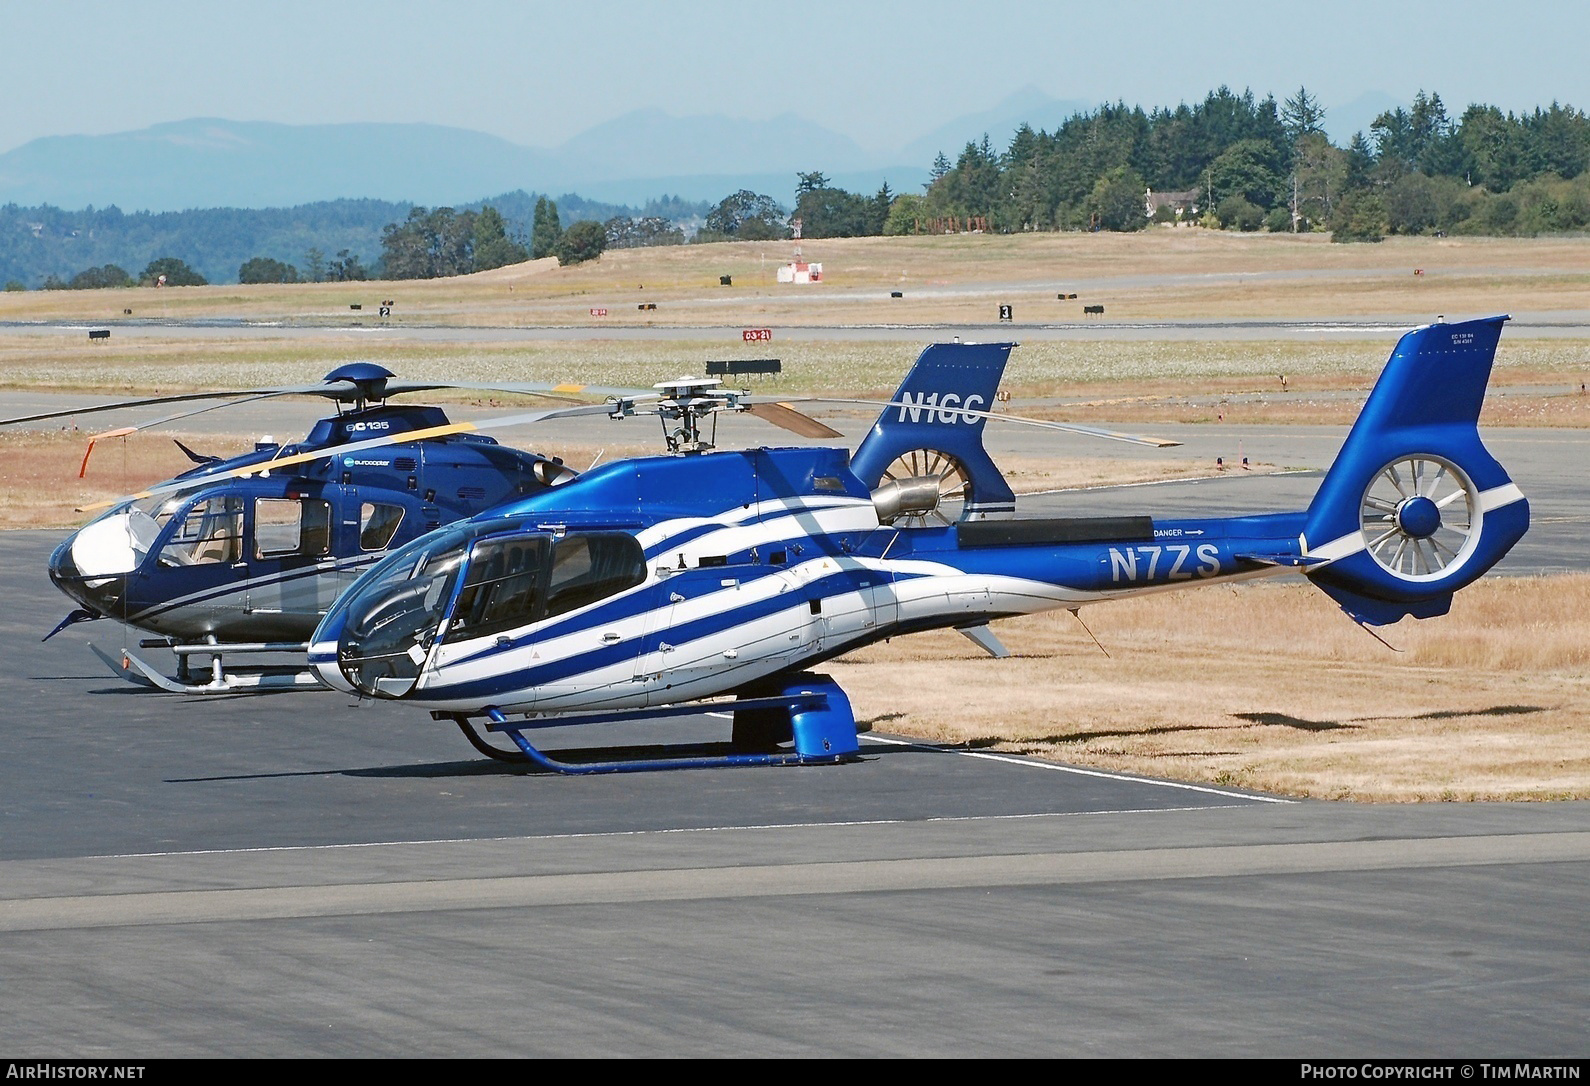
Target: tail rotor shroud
point(1421, 517)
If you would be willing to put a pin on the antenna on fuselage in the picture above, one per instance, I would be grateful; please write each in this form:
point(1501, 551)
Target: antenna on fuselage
point(1076, 613)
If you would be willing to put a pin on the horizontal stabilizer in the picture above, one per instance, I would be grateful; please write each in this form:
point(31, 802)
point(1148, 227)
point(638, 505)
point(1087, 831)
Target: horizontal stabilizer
point(1299, 560)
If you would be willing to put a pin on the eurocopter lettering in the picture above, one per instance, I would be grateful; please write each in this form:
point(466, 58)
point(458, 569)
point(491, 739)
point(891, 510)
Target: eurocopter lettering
point(645, 586)
point(243, 555)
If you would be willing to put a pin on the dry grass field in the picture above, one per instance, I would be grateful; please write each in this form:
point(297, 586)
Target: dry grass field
point(1159, 274)
point(1269, 686)
point(1262, 685)
point(1537, 382)
point(1162, 272)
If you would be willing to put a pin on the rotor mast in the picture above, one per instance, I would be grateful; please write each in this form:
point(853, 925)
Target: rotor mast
point(682, 405)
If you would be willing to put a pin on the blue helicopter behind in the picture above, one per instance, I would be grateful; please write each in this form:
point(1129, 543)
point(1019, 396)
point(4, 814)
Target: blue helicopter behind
point(245, 555)
point(645, 587)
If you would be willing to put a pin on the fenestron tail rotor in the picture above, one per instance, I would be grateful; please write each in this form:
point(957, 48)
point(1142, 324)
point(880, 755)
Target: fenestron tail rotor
point(1420, 515)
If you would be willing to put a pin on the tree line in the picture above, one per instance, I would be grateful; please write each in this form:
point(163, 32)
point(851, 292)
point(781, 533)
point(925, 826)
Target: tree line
point(1232, 161)
point(46, 246)
point(1237, 162)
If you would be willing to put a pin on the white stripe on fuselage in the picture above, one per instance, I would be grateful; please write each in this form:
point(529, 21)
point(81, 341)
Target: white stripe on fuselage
point(215, 593)
point(922, 591)
point(778, 521)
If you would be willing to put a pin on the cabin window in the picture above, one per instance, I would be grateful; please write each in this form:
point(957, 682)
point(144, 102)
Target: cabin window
point(210, 531)
point(588, 568)
point(378, 523)
point(512, 583)
point(502, 588)
point(291, 526)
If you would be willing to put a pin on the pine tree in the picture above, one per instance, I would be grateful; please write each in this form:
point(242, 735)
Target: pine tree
point(1302, 115)
point(545, 229)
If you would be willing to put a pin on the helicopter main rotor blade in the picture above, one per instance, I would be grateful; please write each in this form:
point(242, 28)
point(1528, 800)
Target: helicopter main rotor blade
point(786, 417)
point(235, 396)
point(265, 467)
point(550, 389)
point(1064, 427)
point(238, 395)
point(123, 431)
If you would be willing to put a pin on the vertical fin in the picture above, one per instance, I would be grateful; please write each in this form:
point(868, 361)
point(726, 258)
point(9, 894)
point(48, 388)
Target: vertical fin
point(947, 379)
point(1415, 507)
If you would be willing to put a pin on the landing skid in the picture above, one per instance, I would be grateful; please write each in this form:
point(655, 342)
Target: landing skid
point(218, 678)
point(810, 713)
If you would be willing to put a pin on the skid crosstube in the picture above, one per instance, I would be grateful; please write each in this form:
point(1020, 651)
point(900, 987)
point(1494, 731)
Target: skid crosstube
point(217, 680)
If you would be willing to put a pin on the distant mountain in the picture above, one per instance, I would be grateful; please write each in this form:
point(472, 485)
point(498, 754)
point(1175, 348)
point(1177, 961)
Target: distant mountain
point(1342, 121)
point(207, 162)
point(1029, 106)
point(650, 144)
point(218, 163)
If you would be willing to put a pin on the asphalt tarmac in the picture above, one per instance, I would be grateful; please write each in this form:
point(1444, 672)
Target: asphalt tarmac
point(294, 875)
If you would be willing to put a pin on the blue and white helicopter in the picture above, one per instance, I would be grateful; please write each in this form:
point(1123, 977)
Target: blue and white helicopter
point(645, 587)
point(245, 555)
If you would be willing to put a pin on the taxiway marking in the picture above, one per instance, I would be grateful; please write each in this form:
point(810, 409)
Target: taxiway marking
point(1033, 763)
point(778, 880)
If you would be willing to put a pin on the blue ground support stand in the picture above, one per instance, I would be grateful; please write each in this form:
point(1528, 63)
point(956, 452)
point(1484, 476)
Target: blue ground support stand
point(809, 712)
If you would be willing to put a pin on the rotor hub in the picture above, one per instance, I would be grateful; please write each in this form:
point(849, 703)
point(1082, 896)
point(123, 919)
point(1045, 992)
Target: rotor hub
point(1418, 517)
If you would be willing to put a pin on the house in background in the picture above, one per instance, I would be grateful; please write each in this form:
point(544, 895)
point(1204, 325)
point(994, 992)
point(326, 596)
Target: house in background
point(1184, 204)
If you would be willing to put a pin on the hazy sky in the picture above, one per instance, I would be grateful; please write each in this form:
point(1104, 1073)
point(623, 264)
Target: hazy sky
point(882, 73)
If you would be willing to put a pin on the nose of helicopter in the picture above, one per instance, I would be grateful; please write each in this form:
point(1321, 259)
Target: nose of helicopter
point(374, 639)
point(323, 648)
point(88, 574)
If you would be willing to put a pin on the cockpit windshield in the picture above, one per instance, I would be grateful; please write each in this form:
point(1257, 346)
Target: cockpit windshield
point(159, 507)
point(388, 622)
point(119, 539)
point(390, 619)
